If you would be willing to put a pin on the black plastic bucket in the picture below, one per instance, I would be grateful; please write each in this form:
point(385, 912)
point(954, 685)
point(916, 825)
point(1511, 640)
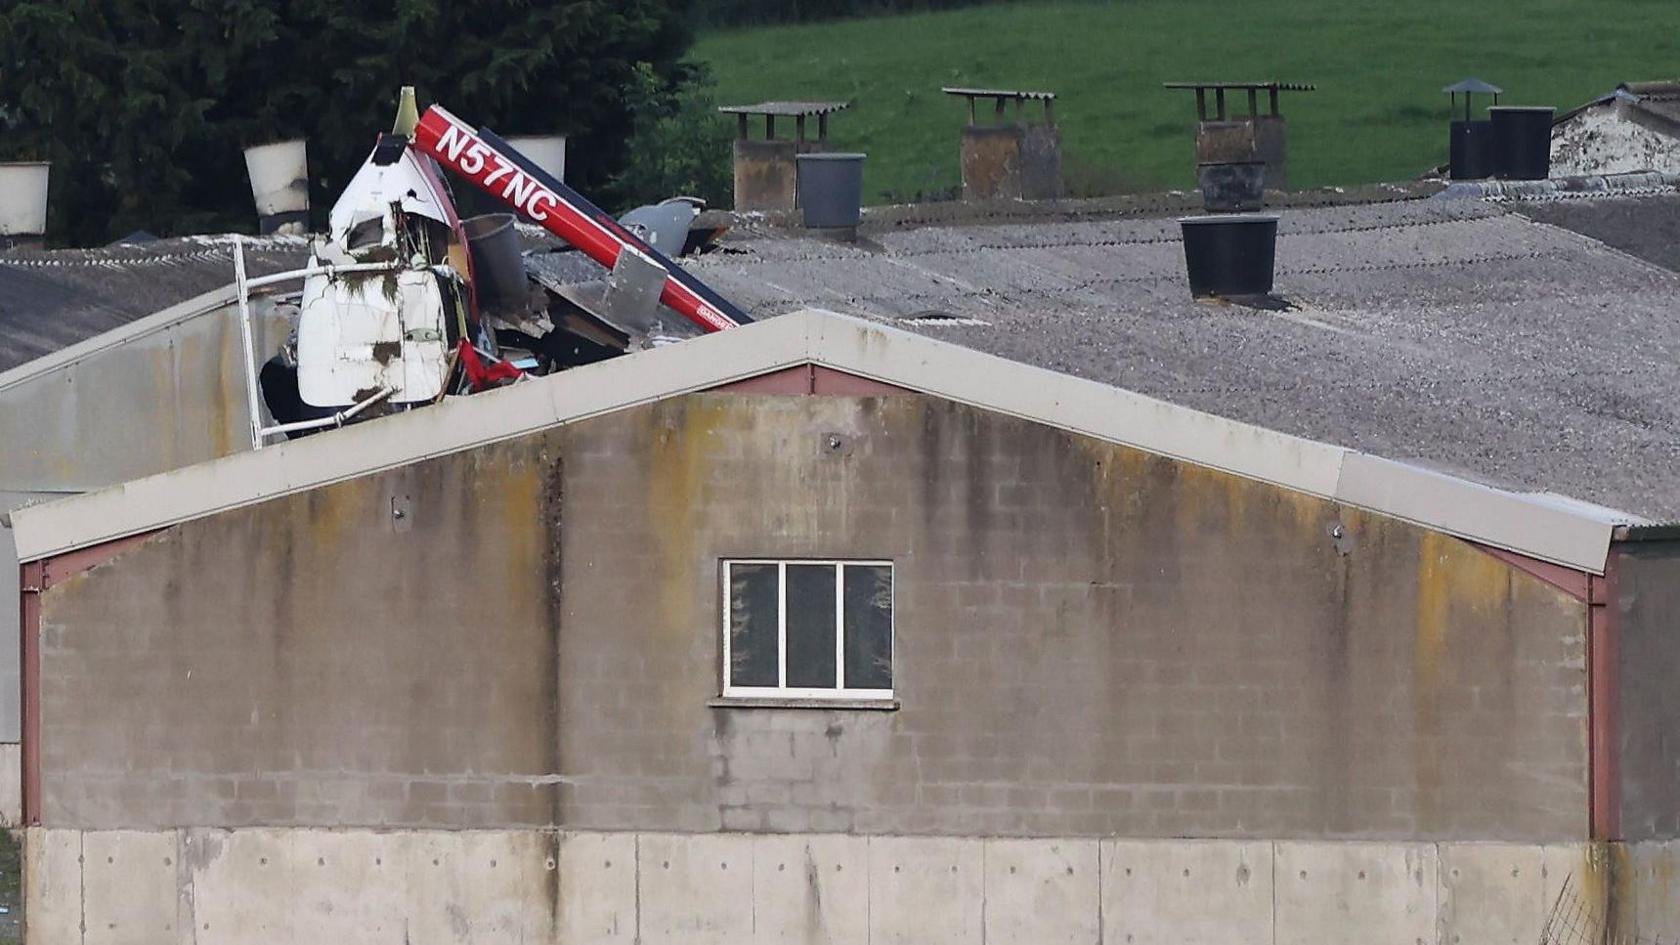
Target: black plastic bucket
point(1232, 186)
point(1522, 141)
point(1230, 255)
point(831, 189)
point(498, 264)
point(1471, 154)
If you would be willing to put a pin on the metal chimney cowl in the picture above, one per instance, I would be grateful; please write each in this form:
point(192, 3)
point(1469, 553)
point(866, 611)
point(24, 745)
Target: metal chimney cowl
point(548, 151)
point(23, 199)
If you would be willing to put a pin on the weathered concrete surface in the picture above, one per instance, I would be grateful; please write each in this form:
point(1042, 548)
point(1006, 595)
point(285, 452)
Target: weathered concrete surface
point(766, 174)
point(52, 887)
point(305, 886)
point(1610, 139)
point(129, 883)
point(358, 698)
point(1388, 891)
point(1492, 894)
point(1177, 892)
point(11, 784)
point(1042, 891)
point(695, 889)
point(923, 891)
point(807, 889)
point(598, 894)
point(1646, 589)
point(1091, 641)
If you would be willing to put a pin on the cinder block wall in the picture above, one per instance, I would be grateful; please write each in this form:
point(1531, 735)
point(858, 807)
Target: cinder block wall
point(1089, 641)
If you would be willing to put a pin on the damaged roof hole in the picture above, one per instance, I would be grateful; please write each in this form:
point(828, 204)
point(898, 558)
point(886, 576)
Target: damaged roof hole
point(935, 318)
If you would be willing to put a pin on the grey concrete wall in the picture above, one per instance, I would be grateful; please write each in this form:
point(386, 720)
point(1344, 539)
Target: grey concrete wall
point(157, 402)
point(281, 886)
point(1647, 615)
point(1090, 641)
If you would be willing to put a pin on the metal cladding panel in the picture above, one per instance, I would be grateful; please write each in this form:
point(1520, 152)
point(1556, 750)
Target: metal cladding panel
point(1470, 510)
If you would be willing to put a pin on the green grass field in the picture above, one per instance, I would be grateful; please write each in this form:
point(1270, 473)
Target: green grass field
point(1378, 113)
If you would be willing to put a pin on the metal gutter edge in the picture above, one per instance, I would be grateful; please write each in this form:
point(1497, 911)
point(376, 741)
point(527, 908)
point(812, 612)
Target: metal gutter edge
point(1661, 531)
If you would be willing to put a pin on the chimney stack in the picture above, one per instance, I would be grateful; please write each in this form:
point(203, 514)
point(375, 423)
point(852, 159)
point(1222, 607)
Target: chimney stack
point(1470, 156)
point(767, 170)
point(280, 185)
point(23, 203)
point(1010, 157)
point(1225, 137)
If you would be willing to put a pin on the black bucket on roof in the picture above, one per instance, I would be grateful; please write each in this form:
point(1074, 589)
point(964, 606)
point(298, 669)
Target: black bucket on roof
point(498, 264)
point(1230, 254)
point(1471, 153)
point(1522, 141)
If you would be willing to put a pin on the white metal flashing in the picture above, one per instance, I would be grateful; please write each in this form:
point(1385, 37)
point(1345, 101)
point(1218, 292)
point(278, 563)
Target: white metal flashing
point(1578, 537)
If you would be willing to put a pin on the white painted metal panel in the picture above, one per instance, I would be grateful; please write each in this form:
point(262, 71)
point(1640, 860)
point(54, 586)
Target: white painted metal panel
point(1541, 528)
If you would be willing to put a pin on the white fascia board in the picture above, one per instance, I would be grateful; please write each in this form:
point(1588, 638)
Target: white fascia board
point(458, 424)
point(1508, 520)
point(1547, 530)
point(1080, 406)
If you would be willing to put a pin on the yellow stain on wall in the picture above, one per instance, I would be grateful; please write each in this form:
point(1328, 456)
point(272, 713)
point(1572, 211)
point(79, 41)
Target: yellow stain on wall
point(683, 436)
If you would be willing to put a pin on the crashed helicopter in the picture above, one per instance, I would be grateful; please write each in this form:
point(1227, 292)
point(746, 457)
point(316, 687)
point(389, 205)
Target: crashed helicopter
point(404, 302)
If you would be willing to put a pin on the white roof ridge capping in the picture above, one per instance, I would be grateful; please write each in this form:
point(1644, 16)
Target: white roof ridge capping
point(1568, 533)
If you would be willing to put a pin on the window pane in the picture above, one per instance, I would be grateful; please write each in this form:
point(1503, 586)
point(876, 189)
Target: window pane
point(810, 626)
point(868, 627)
point(752, 625)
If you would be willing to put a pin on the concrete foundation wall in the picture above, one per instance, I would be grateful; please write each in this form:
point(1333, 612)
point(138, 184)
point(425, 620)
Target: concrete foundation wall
point(277, 886)
point(1090, 641)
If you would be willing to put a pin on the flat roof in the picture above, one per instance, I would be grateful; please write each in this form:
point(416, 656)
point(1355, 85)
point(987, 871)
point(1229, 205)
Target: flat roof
point(1567, 533)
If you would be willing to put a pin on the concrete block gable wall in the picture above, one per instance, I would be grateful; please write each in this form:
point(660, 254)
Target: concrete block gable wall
point(1094, 647)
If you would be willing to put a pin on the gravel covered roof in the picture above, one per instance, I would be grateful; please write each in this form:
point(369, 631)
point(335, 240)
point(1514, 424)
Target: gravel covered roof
point(1459, 335)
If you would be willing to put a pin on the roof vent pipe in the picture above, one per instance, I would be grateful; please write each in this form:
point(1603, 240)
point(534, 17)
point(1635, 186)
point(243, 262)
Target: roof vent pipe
point(280, 185)
point(546, 151)
point(1470, 154)
point(1230, 255)
point(23, 202)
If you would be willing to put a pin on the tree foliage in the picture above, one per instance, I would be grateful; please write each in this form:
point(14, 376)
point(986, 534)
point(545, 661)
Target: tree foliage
point(144, 106)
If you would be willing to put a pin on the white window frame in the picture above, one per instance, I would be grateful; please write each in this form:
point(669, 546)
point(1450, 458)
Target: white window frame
point(782, 690)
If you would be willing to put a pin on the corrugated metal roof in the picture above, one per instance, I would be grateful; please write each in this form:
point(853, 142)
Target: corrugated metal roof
point(51, 299)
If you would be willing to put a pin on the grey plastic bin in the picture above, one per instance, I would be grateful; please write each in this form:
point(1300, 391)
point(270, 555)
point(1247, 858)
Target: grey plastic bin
point(831, 189)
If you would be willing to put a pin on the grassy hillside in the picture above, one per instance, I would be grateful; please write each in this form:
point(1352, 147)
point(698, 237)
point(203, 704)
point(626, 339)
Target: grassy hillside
point(1378, 113)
